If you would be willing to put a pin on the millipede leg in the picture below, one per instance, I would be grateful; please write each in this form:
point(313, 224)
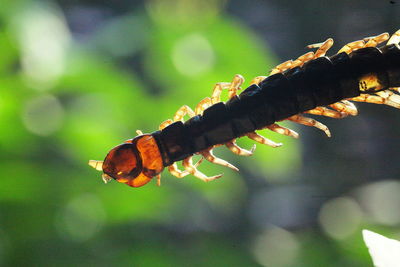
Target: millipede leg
point(262, 140)
point(396, 89)
point(281, 67)
point(322, 47)
point(165, 124)
point(375, 40)
point(383, 97)
point(237, 81)
point(188, 164)
point(257, 80)
point(182, 111)
point(394, 39)
point(232, 146)
point(233, 87)
point(323, 111)
point(173, 169)
point(391, 98)
point(282, 130)
point(310, 122)
point(202, 105)
point(345, 106)
point(350, 47)
point(303, 59)
point(208, 155)
point(158, 177)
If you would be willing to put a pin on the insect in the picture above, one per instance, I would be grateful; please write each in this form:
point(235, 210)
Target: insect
point(313, 83)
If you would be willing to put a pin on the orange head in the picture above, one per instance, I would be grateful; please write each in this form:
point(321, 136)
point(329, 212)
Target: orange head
point(134, 162)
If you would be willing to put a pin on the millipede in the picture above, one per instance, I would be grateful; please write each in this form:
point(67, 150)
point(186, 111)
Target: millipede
point(363, 71)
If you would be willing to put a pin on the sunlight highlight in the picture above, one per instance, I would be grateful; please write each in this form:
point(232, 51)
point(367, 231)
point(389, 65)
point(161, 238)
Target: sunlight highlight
point(276, 247)
point(193, 55)
point(81, 218)
point(43, 115)
point(340, 217)
point(382, 201)
point(43, 39)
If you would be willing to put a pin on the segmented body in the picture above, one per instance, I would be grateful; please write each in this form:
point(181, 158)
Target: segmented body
point(313, 83)
point(319, 82)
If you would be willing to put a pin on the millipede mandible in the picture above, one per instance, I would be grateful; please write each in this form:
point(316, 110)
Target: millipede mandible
point(313, 83)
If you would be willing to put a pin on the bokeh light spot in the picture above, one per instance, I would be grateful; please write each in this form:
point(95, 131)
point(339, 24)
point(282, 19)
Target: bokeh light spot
point(193, 55)
point(276, 247)
point(81, 218)
point(43, 115)
point(340, 217)
point(382, 201)
point(44, 38)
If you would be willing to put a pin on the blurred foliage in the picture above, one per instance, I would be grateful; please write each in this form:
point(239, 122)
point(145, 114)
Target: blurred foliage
point(67, 96)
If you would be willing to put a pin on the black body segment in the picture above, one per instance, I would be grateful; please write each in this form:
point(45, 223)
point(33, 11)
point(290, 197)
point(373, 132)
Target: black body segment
point(347, 81)
point(173, 143)
point(318, 76)
point(366, 60)
point(319, 82)
point(195, 129)
point(219, 128)
point(391, 57)
point(304, 97)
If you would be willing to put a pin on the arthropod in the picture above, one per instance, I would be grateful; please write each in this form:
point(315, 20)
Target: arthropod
point(313, 83)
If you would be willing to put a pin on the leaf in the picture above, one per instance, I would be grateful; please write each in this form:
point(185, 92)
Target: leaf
point(385, 252)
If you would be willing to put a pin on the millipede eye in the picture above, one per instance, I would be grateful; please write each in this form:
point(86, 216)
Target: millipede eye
point(123, 162)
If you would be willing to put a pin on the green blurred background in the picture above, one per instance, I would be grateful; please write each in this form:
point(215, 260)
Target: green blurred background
point(78, 77)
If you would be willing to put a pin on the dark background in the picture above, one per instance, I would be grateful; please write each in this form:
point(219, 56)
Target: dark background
point(79, 77)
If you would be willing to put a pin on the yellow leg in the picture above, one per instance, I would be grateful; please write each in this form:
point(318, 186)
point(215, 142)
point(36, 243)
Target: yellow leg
point(173, 169)
point(257, 80)
point(303, 59)
point(310, 122)
point(322, 47)
point(202, 105)
point(262, 140)
point(345, 106)
point(394, 39)
point(282, 130)
point(384, 97)
point(396, 89)
point(208, 155)
point(350, 47)
point(182, 111)
point(165, 124)
point(232, 87)
point(281, 67)
point(232, 146)
point(391, 98)
point(375, 40)
point(323, 111)
point(189, 167)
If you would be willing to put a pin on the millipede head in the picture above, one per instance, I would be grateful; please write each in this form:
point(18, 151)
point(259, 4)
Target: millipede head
point(134, 162)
